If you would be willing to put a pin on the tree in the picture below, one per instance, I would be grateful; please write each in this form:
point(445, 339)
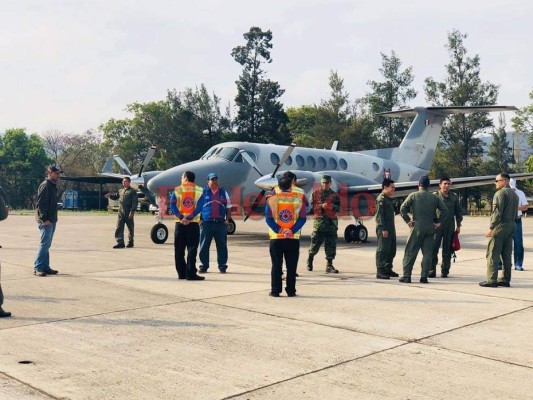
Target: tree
point(23, 163)
point(523, 122)
point(392, 93)
point(260, 116)
point(462, 87)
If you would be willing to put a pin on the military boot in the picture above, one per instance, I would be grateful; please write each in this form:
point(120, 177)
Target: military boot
point(330, 269)
point(310, 263)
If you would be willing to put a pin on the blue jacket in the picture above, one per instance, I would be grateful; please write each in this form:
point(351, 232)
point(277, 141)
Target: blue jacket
point(213, 206)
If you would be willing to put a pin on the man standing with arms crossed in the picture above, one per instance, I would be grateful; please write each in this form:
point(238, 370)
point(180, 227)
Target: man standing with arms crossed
point(46, 216)
point(385, 231)
point(127, 205)
point(326, 204)
point(445, 232)
point(183, 202)
point(285, 216)
point(423, 205)
point(502, 227)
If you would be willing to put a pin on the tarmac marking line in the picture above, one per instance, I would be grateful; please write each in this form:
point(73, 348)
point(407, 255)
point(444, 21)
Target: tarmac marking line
point(31, 386)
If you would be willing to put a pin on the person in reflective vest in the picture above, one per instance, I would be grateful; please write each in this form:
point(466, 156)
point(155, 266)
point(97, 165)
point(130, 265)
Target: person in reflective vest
point(285, 216)
point(183, 201)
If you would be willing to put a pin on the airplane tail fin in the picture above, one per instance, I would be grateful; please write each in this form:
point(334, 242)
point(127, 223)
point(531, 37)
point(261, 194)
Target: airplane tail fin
point(419, 144)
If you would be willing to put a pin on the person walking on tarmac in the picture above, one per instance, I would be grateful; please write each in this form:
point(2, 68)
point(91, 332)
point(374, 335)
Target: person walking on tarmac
point(444, 234)
point(502, 226)
point(127, 205)
point(285, 216)
point(385, 231)
point(325, 204)
point(423, 206)
point(183, 202)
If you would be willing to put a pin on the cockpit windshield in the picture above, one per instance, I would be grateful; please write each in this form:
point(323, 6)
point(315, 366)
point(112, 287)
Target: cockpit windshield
point(209, 153)
point(227, 153)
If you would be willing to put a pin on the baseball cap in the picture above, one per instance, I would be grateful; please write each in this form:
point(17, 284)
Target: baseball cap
point(212, 175)
point(424, 181)
point(55, 168)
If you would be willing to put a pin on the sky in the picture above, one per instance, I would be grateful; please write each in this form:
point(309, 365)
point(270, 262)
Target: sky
point(72, 65)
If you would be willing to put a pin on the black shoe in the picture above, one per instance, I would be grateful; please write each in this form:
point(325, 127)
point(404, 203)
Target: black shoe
point(505, 284)
point(405, 279)
point(488, 284)
point(196, 278)
point(39, 273)
point(129, 245)
point(4, 314)
point(202, 269)
point(119, 246)
point(51, 272)
point(444, 275)
point(291, 294)
point(222, 270)
point(309, 266)
point(393, 274)
point(273, 294)
point(297, 275)
point(330, 269)
point(181, 277)
point(381, 276)
point(432, 274)
point(424, 280)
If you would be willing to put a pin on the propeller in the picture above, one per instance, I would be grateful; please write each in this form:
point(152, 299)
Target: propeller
point(261, 195)
point(147, 159)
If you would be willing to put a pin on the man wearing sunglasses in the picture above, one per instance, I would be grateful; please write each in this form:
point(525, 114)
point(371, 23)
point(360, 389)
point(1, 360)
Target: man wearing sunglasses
point(502, 227)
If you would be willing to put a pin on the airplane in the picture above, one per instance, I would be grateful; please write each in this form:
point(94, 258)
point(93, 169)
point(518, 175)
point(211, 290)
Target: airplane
point(138, 181)
point(243, 167)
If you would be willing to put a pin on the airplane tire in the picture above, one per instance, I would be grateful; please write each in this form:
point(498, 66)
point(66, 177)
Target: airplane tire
point(231, 227)
point(159, 233)
point(362, 234)
point(350, 233)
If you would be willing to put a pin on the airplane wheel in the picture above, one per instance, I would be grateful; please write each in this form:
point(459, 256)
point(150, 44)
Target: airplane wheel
point(231, 227)
point(159, 233)
point(350, 233)
point(362, 233)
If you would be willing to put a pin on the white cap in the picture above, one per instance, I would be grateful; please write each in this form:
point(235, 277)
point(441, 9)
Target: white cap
point(512, 183)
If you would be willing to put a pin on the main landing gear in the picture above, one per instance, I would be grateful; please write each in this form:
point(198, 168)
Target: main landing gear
point(356, 233)
point(159, 232)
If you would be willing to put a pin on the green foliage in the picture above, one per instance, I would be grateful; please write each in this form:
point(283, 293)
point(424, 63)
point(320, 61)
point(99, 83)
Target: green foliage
point(260, 117)
point(392, 93)
point(523, 122)
point(183, 127)
point(462, 87)
point(23, 163)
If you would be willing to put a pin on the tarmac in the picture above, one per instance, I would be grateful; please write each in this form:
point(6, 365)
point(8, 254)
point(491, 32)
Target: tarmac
point(118, 324)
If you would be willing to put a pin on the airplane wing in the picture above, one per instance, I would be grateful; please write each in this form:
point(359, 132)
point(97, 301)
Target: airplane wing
point(405, 188)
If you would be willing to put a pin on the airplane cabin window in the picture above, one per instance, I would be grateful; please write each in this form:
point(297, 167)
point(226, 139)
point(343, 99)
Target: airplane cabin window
point(288, 161)
point(332, 163)
point(300, 160)
point(343, 164)
point(321, 162)
point(274, 158)
point(227, 153)
point(311, 161)
point(375, 166)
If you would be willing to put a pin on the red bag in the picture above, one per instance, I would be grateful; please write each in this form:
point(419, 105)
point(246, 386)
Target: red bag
point(456, 245)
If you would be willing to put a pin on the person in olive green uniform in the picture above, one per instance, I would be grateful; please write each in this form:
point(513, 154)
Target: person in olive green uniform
point(502, 226)
point(423, 205)
point(326, 203)
point(445, 233)
point(127, 205)
point(385, 231)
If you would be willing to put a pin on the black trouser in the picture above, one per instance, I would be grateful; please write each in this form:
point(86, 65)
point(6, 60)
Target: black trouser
point(124, 218)
point(290, 249)
point(186, 237)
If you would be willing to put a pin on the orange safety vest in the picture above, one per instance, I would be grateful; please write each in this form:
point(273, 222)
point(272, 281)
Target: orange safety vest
point(187, 196)
point(285, 208)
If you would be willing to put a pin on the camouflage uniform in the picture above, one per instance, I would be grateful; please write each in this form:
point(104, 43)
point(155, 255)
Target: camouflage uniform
point(502, 223)
point(423, 205)
point(127, 203)
point(325, 225)
point(386, 247)
point(445, 232)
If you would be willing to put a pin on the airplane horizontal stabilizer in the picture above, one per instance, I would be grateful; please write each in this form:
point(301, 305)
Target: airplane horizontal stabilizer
point(445, 111)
